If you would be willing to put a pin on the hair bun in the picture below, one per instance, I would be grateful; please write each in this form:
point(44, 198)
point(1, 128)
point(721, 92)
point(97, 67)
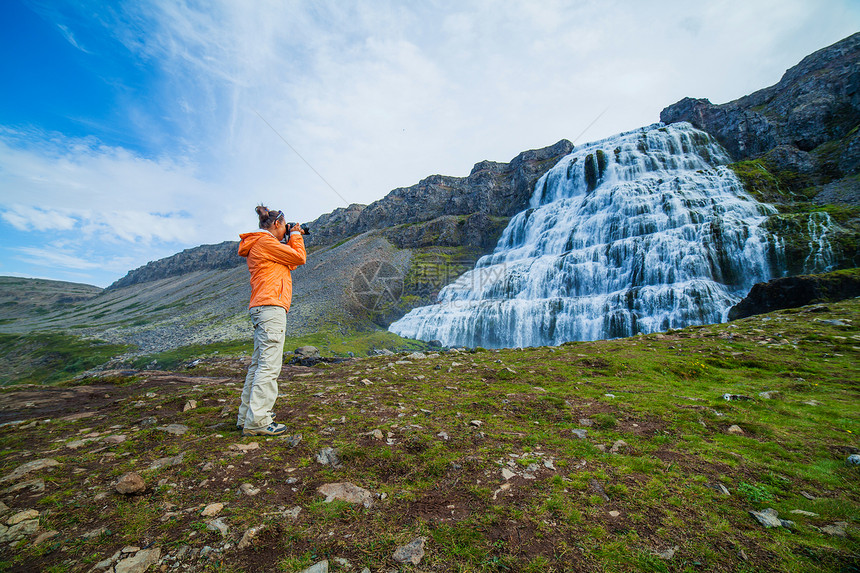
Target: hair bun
point(262, 212)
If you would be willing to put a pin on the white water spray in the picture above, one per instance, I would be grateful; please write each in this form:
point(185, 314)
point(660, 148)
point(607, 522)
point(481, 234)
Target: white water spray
point(640, 232)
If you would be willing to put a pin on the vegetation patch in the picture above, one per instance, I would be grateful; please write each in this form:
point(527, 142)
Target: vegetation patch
point(45, 358)
point(620, 456)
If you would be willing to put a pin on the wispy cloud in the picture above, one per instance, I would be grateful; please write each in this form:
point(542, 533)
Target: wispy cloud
point(373, 95)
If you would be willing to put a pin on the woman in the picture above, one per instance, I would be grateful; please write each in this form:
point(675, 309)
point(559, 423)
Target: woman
point(270, 263)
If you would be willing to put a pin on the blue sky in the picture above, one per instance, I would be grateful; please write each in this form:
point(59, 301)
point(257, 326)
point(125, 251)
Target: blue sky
point(132, 130)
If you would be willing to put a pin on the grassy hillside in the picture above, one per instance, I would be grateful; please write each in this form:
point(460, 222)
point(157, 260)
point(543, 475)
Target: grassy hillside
point(476, 453)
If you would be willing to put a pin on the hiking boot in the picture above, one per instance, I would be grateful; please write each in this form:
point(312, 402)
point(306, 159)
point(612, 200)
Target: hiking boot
point(272, 429)
point(241, 428)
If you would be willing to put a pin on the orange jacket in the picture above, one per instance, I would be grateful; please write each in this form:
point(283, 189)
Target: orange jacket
point(270, 263)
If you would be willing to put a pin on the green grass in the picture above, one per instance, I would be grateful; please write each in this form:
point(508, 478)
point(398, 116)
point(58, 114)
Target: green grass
point(586, 508)
point(50, 358)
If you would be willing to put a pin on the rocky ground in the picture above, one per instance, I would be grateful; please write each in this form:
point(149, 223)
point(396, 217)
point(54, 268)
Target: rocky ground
point(718, 448)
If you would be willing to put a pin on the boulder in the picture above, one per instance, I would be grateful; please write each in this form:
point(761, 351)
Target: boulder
point(308, 352)
point(792, 292)
point(130, 483)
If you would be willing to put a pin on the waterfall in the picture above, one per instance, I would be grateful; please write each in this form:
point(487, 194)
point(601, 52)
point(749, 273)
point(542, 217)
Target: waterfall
point(640, 232)
point(820, 258)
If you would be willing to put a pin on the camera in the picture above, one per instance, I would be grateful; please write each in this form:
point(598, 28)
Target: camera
point(305, 229)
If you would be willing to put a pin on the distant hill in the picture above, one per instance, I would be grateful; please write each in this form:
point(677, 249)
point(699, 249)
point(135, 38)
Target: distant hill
point(20, 298)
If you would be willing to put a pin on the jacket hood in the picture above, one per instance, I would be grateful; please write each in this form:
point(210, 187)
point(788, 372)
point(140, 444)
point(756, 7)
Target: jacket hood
point(248, 240)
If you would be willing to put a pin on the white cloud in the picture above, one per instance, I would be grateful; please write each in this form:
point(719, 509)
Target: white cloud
point(45, 257)
point(376, 96)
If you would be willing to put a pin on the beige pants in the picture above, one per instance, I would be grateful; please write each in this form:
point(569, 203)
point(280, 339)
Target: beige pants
point(261, 383)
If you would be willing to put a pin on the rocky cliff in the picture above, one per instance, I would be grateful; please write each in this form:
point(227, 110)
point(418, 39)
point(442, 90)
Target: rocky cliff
point(792, 292)
point(807, 124)
point(492, 190)
point(462, 211)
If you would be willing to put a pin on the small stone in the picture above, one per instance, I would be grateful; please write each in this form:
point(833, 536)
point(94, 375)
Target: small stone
point(735, 429)
point(212, 509)
point(249, 489)
point(609, 395)
point(808, 495)
point(412, 552)
point(614, 513)
point(22, 516)
point(45, 536)
point(293, 441)
point(476, 423)
point(139, 562)
point(189, 405)
point(580, 433)
point(376, 434)
point(218, 525)
point(329, 457)
point(617, 446)
point(175, 429)
point(508, 474)
point(130, 483)
point(244, 447)
point(249, 536)
point(586, 422)
point(803, 513)
point(166, 462)
point(95, 533)
point(34, 485)
point(668, 554)
point(853, 460)
point(443, 435)
point(114, 440)
point(504, 487)
point(321, 567)
point(770, 518)
point(28, 467)
point(837, 529)
point(769, 395)
point(345, 491)
point(292, 513)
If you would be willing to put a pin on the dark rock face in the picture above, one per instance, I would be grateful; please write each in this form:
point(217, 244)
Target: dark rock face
point(491, 189)
point(476, 230)
point(816, 103)
point(332, 227)
point(791, 292)
point(205, 257)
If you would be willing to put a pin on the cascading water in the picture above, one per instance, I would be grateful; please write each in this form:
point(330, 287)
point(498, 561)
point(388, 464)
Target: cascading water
point(640, 232)
point(820, 251)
